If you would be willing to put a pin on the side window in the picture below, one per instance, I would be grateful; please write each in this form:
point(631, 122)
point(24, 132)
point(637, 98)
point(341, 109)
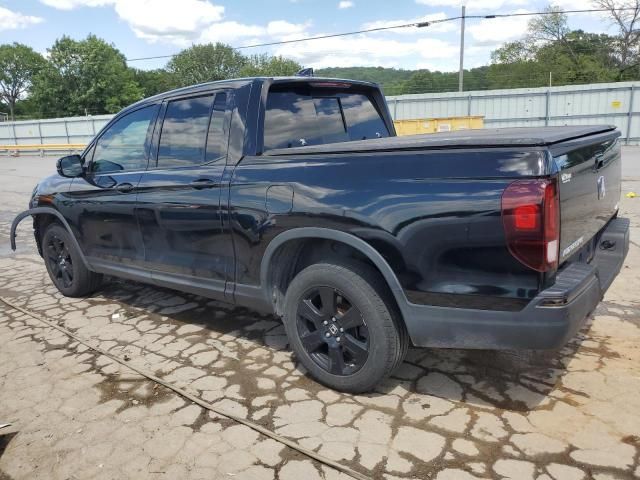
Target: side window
point(217, 137)
point(184, 132)
point(123, 147)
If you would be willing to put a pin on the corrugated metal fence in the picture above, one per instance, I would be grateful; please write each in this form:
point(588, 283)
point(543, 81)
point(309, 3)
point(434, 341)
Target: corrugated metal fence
point(604, 103)
point(74, 130)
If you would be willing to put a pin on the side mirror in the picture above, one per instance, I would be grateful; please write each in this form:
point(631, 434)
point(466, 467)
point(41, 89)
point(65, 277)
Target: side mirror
point(70, 166)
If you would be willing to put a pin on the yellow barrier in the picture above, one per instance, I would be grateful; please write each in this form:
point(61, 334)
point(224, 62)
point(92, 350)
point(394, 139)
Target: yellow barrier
point(41, 147)
point(433, 125)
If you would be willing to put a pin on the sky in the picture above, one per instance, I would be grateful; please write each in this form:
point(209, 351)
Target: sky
point(143, 28)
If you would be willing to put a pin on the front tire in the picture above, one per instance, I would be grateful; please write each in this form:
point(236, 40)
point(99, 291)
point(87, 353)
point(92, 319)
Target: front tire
point(64, 264)
point(342, 325)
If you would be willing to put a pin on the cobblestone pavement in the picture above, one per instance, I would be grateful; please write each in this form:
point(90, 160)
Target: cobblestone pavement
point(445, 414)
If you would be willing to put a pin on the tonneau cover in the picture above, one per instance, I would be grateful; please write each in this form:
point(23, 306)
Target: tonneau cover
point(491, 137)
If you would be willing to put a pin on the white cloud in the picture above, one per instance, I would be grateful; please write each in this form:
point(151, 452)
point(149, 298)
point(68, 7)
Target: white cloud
point(496, 31)
point(229, 31)
point(571, 4)
point(434, 28)
point(345, 4)
point(71, 4)
point(167, 19)
point(154, 20)
point(10, 20)
point(282, 28)
point(200, 21)
point(185, 22)
point(473, 4)
point(365, 50)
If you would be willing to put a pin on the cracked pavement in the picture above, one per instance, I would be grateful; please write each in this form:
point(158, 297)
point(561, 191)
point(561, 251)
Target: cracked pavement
point(445, 414)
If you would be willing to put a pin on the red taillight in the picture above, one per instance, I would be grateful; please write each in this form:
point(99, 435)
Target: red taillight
point(526, 217)
point(531, 219)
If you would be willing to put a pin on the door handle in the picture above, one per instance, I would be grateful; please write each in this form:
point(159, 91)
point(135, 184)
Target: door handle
point(599, 163)
point(203, 183)
point(124, 187)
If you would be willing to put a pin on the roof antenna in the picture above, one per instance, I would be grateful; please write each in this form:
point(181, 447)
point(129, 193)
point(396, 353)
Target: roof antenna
point(305, 72)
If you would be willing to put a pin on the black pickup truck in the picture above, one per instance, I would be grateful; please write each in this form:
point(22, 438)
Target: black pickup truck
point(295, 196)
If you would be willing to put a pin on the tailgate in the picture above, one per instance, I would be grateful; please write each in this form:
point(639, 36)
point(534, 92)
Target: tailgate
point(589, 180)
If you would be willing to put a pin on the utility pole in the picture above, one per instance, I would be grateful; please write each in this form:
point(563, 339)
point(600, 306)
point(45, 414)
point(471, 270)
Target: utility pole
point(461, 72)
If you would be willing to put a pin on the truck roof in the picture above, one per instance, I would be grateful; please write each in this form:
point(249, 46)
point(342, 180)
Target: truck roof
point(239, 82)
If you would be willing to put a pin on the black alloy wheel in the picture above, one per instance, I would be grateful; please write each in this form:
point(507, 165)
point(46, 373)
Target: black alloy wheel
point(60, 262)
point(65, 264)
point(343, 326)
point(332, 331)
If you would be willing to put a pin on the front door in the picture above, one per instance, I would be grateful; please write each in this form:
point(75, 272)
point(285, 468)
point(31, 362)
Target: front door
point(102, 202)
point(180, 196)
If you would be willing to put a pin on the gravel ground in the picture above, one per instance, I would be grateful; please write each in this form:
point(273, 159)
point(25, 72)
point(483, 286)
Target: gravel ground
point(445, 414)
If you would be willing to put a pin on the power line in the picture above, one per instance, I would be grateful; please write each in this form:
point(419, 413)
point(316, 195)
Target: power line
point(307, 39)
point(549, 12)
point(395, 27)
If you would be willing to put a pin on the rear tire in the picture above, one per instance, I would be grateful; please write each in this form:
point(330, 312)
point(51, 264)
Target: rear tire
point(343, 326)
point(64, 264)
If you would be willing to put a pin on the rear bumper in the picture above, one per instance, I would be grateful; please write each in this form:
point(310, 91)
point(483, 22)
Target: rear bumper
point(547, 322)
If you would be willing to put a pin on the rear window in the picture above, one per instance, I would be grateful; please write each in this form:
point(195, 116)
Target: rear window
point(306, 116)
point(184, 130)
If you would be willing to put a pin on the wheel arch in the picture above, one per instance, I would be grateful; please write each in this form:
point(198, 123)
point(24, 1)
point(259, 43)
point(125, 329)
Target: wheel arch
point(278, 244)
point(37, 213)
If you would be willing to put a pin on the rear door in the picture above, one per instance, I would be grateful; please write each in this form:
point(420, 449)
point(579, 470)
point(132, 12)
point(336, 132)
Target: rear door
point(589, 178)
point(179, 197)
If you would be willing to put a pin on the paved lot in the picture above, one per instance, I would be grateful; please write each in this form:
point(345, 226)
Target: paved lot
point(572, 414)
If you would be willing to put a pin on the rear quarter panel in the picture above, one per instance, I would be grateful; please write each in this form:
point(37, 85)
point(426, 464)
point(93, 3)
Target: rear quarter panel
point(434, 216)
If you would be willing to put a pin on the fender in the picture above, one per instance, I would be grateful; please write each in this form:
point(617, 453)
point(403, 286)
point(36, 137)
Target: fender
point(336, 235)
point(48, 211)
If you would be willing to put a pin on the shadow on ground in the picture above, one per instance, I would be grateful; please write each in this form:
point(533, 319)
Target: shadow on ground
point(490, 373)
point(4, 443)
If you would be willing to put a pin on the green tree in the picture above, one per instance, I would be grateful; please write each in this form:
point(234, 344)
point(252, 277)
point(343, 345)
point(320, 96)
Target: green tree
point(425, 81)
point(267, 66)
point(18, 65)
point(206, 63)
point(155, 81)
point(390, 79)
point(476, 78)
point(514, 52)
point(550, 52)
point(420, 82)
point(89, 75)
point(553, 27)
point(625, 15)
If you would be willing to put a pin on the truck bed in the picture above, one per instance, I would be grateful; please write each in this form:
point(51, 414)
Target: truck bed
point(493, 137)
